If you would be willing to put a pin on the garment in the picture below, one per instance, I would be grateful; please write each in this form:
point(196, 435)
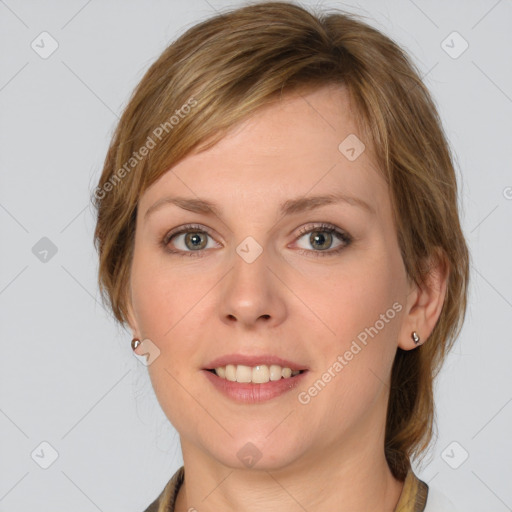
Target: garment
point(438, 502)
point(413, 497)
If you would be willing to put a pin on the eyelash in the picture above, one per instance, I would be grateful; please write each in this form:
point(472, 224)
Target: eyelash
point(327, 228)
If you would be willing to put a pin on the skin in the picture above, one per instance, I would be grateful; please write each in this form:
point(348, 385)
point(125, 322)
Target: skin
point(326, 454)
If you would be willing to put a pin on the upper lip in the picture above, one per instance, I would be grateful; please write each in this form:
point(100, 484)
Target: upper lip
point(253, 360)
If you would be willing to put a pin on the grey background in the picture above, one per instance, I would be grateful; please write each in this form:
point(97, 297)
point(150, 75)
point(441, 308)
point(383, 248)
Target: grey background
point(67, 373)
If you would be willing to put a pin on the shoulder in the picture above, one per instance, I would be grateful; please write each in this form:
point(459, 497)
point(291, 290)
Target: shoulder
point(438, 502)
point(154, 506)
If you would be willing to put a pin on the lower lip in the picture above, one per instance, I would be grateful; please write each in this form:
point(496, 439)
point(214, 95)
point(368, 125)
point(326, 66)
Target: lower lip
point(251, 393)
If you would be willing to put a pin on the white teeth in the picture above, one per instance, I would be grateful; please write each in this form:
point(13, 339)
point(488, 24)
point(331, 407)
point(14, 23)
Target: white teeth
point(230, 372)
point(275, 372)
point(259, 374)
point(243, 373)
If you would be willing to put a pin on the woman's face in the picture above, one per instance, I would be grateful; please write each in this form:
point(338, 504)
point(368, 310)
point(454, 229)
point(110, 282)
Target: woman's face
point(263, 280)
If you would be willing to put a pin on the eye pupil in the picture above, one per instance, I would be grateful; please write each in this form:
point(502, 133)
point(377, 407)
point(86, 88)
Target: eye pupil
point(317, 236)
point(195, 239)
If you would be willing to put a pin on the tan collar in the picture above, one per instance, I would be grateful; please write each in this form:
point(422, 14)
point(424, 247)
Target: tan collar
point(413, 497)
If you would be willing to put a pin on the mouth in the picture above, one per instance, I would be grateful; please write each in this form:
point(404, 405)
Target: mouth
point(258, 374)
point(254, 378)
point(254, 384)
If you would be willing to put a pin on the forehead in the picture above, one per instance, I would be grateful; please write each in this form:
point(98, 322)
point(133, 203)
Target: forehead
point(294, 147)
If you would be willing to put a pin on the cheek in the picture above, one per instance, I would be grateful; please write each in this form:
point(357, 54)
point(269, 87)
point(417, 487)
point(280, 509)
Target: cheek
point(165, 303)
point(363, 296)
point(152, 300)
point(161, 293)
point(355, 362)
point(362, 308)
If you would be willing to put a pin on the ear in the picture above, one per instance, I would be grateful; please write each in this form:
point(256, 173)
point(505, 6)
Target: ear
point(425, 302)
point(131, 318)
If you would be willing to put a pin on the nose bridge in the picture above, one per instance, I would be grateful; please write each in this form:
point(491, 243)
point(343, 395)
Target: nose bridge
point(250, 291)
point(250, 275)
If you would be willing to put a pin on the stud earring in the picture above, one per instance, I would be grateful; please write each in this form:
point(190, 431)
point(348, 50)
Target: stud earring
point(415, 337)
point(135, 343)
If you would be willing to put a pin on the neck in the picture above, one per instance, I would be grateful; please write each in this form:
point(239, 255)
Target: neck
point(344, 479)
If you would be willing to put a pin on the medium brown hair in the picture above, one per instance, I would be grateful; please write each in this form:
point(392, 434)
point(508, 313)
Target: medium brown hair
point(221, 71)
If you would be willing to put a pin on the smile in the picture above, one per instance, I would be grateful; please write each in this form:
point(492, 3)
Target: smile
point(259, 374)
point(269, 382)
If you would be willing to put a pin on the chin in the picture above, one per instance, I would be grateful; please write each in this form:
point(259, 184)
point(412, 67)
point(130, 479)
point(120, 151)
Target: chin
point(258, 453)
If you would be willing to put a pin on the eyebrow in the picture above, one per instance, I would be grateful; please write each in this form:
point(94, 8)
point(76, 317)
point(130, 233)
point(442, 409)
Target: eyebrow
point(289, 207)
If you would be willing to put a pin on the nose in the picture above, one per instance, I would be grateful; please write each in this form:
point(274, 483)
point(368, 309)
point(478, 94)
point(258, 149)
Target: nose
point(252, 294)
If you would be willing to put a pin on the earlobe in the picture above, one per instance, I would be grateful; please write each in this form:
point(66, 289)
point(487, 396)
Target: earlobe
point(425, 304)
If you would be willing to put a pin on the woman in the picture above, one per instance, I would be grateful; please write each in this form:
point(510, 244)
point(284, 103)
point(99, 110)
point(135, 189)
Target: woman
point(278, 226)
